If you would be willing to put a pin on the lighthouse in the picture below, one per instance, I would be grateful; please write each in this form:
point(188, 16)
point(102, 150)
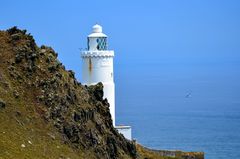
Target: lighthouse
point(97, 66)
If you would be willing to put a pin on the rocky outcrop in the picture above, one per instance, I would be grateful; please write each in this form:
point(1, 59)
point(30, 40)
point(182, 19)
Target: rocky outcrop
point(79, 113)
point(2, 104)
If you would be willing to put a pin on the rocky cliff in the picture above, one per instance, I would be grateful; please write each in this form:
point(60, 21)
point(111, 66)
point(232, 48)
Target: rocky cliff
point(46, 113)
point(36, 89)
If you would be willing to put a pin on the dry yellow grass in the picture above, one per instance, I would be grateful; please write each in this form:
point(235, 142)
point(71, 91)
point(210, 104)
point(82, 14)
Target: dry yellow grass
point(145, 153)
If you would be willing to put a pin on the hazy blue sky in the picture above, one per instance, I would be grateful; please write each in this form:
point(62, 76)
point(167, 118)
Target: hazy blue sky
point(172, 46)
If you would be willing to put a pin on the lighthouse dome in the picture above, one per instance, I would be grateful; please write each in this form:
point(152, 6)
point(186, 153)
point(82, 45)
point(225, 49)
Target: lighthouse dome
point(97, 32)
point(97, 28)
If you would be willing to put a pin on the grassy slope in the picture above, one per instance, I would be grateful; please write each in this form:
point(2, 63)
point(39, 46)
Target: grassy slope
point(36, 135)
point(20, 122)
point(146, 153)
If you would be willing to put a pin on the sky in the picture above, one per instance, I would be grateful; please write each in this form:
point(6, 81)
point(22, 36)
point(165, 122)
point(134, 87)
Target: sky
point(164, 49)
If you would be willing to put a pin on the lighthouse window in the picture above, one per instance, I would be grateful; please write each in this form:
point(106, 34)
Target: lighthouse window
point(102, 43)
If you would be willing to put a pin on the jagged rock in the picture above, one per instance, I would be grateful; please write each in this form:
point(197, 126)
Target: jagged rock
point(19, 57)
point(32, 56)
point(53, 68)
point(71, 74)
point(97, 91)
point(112, 148)
point(76, 117)
point(2, 104)
point(92, 137)
point(40, 98)
point(50, 59)
point(79, 114)
point(59, 75)
point(15, 30)
point(42, 51)
point(132, 148)
point(71, 131)
point(71, 96)
point(83, 116)
point(56, 113)
point(16, 36)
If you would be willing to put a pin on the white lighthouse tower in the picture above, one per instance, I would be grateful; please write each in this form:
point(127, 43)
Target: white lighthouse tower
point(97, 66)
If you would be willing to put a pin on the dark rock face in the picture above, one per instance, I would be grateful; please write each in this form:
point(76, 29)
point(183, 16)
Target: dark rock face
point(2, 104)
point(97, 91)
point(79, 113)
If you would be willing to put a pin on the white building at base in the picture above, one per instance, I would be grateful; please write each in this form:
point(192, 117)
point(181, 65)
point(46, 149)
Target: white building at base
point(97, 66)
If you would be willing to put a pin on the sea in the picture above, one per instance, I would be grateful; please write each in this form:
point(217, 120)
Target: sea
point(178, 108)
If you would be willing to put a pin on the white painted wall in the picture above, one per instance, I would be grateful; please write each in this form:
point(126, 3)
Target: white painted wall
point(97, 66)
point(126, 131)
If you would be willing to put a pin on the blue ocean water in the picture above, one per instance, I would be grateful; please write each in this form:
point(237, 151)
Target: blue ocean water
point(190, 110)
point(216, 134)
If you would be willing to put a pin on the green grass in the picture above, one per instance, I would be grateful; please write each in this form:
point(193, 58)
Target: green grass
point(28, 128)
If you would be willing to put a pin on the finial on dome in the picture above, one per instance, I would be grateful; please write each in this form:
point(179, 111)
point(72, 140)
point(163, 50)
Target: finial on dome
point(97, 28)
